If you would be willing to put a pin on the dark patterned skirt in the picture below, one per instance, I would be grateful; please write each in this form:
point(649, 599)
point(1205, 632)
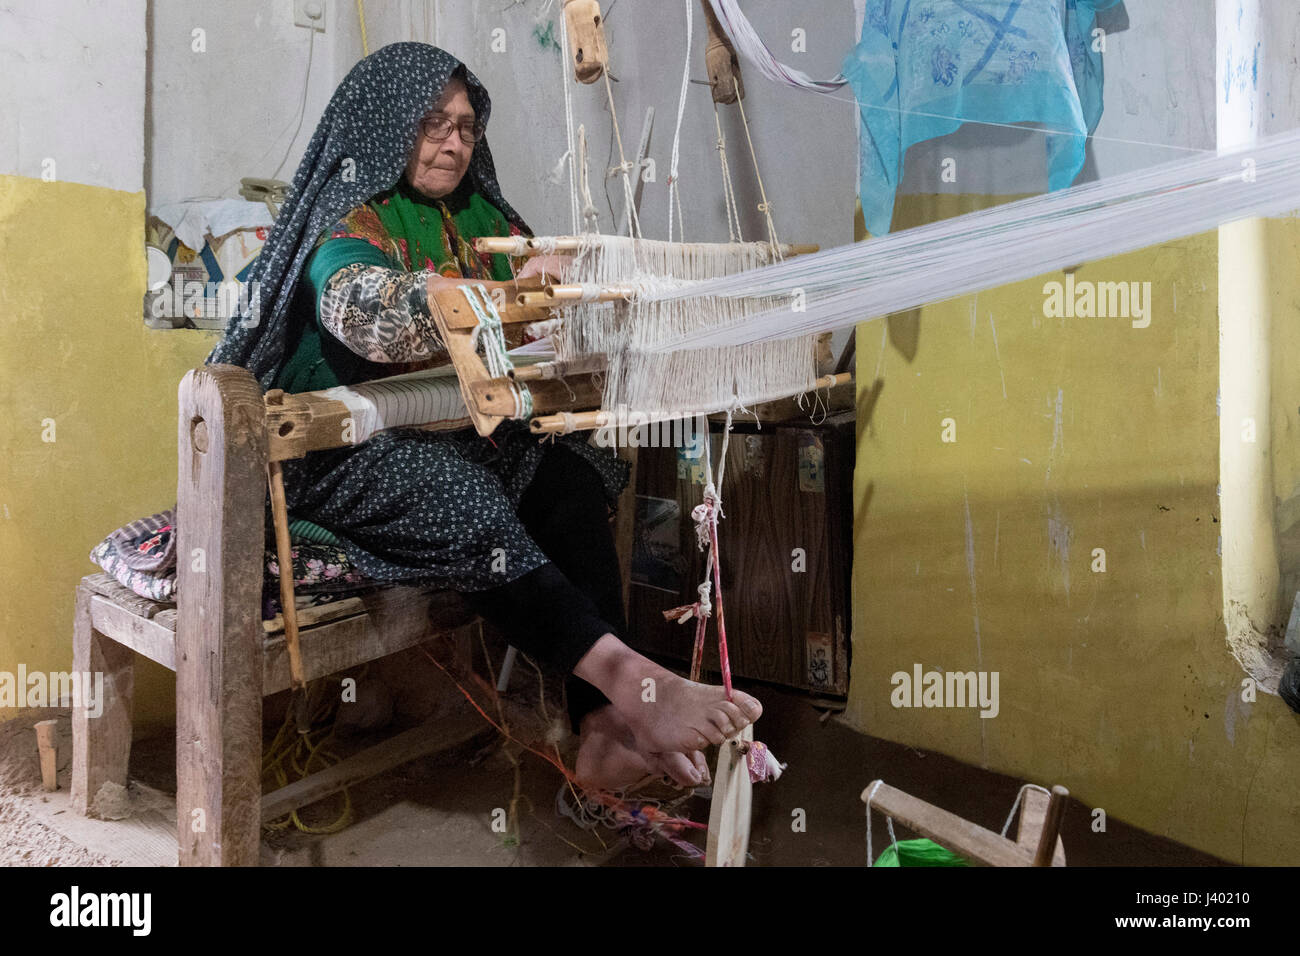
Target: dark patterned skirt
point(435, 509)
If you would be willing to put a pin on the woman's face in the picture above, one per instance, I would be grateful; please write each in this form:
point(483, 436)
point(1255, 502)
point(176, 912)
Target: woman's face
point(436, 168)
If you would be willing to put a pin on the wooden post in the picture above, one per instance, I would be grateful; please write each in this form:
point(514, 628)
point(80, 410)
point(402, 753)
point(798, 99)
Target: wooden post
point(220, 519)
point(47, 744)
point(1051, 827)
point(101, 745)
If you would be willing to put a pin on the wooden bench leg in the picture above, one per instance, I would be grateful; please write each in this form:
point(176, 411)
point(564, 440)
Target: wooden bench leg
point(221, 490)
point(101, 745)
point(218, 758)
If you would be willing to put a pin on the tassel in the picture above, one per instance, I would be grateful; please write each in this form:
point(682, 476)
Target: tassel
point(763, 765)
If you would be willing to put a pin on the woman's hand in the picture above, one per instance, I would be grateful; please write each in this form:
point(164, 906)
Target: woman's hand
point(545, 266)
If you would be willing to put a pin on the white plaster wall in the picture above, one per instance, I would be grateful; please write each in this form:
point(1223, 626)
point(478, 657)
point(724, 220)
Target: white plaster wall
point(72, 88)
point(230, 110)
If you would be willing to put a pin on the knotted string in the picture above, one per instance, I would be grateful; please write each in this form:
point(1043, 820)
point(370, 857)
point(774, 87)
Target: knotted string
point(491, 334)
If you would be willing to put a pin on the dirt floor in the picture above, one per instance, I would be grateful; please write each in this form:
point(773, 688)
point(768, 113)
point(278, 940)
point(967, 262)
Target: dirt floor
point(439, 810)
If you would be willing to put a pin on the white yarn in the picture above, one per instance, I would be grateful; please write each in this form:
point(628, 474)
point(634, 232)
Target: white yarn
point(673, 192)
point(1016, 806)
point(568, 112)
point(688, 382)
point(728, 191)
point(628, 333)
point(746, 41)
point(889, 824)
point(993, 247)
point(546, 245)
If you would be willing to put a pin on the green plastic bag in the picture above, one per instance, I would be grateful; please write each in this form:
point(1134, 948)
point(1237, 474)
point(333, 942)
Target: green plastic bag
point(919, 853)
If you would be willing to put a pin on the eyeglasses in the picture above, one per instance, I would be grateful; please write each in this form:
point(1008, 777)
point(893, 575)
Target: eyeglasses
point(438, 128)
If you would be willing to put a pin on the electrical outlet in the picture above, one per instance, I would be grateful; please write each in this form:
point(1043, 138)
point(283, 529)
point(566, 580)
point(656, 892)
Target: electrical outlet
point(309, 14)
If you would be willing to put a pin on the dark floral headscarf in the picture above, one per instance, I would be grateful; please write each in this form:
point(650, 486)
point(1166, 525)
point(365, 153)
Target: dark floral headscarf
point(360, 148)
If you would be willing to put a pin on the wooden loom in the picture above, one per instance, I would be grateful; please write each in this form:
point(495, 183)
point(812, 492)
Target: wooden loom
point(565, 396)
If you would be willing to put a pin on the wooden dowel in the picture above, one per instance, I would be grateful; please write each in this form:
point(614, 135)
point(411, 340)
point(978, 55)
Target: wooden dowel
point(534, 300)
point(582, 421)
point(284, 552)
point(573, 293)
point(597, 418)
point(505, 245)
point(47, 744)
point(1051, 827)
point(544, 370)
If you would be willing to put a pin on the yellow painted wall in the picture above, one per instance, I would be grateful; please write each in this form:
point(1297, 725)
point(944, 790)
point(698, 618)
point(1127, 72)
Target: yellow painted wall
point(1072, 434)
point(74, 348)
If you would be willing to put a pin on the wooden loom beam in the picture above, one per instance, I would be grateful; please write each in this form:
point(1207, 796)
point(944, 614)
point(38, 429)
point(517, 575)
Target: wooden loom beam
point(545, 245)
point(582, 421)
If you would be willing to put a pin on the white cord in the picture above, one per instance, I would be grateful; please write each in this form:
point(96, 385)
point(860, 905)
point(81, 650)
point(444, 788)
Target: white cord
point(302, 107)
point(673, 192)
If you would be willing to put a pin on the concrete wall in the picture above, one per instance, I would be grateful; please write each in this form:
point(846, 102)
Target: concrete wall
point(1069, 537)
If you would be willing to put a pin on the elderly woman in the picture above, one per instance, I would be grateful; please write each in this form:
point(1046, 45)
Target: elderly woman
point(395, 184)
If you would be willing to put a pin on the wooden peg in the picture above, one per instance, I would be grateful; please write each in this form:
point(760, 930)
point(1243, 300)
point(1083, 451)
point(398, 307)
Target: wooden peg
point(47, 743)
point(721, 61)
point(586, 39)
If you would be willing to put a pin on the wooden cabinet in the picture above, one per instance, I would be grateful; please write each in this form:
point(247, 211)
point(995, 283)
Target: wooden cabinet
point(786, 540)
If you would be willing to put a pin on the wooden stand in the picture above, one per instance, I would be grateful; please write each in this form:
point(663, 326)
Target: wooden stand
point(1037, 842)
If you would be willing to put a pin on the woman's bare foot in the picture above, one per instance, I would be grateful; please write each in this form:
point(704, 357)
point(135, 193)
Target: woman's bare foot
point(667, 713)
point(609, 760)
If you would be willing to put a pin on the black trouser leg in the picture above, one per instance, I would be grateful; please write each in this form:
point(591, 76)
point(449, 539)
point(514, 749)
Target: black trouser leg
point(558, 611)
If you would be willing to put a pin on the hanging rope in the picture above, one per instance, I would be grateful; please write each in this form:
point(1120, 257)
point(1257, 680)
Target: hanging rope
point(624, 168)
point(728, 190)
point(568, 115)
point(673, 192)
point(765, 207)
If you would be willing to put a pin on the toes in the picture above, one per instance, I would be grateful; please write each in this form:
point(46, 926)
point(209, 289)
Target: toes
point(724, 722)
point(702, 766)
point(750, 707)
point(711, 732)
point(677, 766)
point(736, 720)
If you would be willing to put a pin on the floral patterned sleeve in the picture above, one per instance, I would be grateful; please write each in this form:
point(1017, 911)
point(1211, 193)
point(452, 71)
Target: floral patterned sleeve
point(381, 314)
